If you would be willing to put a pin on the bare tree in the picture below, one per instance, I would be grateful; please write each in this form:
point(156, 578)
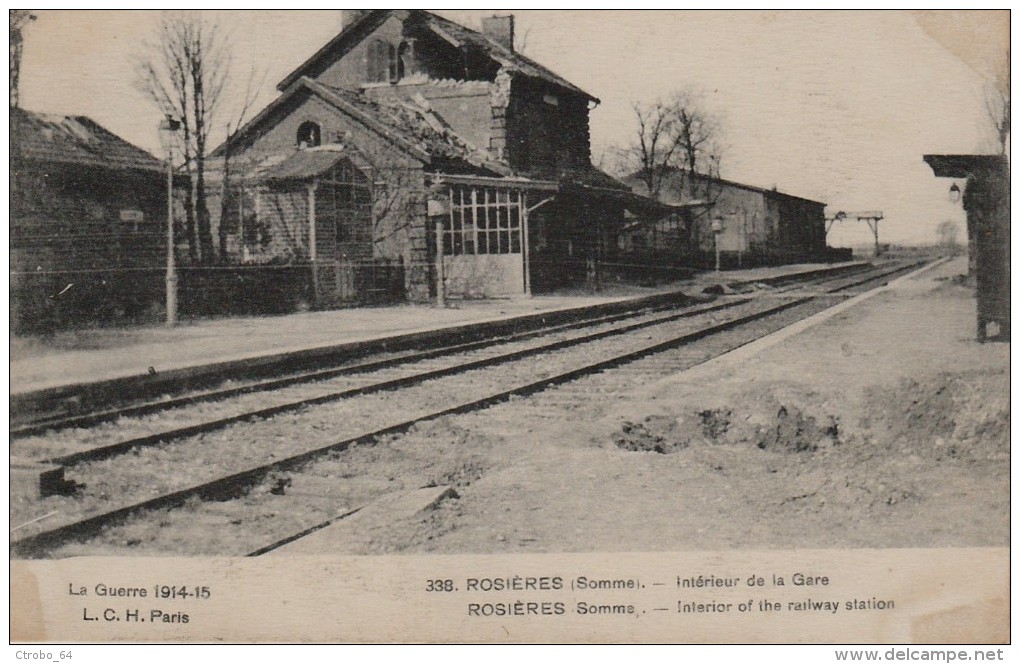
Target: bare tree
point(656, 145)
point(997, 105)
point(185, 71)
point(677, 145)
point(393, 207)
point(19, 19)
point(698, 137)
point(255, 81)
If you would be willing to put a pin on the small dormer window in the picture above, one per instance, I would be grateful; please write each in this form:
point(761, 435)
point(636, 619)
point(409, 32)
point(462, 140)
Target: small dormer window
point(309, 135)
point(382, 62)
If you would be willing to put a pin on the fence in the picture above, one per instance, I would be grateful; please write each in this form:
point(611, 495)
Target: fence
point(647, 268)
point(51, 300)
point(46, 301)
point(244, 289)
point(369, 282)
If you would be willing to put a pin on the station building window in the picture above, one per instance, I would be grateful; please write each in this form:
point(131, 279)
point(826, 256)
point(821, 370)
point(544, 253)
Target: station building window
point(309, 135)
point(483, 220)
point(382, 62)
point(405, 59)
point(344, 197)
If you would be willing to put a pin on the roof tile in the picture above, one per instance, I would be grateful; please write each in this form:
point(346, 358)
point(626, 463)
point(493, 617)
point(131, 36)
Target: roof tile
point(74, 139)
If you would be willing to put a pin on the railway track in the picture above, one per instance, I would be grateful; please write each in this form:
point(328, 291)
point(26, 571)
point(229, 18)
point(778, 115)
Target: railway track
point(346, 379)
point(221, 458)
point(239, 404)
point(32, 415)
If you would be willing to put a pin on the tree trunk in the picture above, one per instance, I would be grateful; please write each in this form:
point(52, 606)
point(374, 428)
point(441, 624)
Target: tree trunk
point(189, 218)
point(225, 203)
point(204, 226)
point(205, 241)
point(189, 198)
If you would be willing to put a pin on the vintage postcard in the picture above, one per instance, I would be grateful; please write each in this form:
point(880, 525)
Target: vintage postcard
point(510, 326)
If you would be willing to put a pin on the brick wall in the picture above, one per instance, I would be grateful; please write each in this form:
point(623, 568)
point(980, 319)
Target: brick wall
point(547, 129)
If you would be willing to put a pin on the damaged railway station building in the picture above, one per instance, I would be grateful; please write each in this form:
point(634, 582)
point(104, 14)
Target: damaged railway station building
point(405, 139)
point(409, 134)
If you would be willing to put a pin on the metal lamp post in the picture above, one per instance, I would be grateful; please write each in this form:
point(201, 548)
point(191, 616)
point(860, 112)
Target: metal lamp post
point(169, 126)
point(439, 208)
point(717, 229)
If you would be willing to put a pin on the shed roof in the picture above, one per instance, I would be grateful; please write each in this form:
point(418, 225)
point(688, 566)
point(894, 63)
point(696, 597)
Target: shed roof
point(74, 139)
point(299, 165)
point(635, 180)
point(962, 165)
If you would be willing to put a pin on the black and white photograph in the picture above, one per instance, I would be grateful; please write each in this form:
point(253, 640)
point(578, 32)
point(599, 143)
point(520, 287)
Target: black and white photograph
point(408, 285)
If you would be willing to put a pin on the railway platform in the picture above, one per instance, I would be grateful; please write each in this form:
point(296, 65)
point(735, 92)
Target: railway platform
point(74, 359)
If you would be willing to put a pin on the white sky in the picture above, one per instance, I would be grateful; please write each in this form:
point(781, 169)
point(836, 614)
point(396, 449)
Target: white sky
point(834, 106)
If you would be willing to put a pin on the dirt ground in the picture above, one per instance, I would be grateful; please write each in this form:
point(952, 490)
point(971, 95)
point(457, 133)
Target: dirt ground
point(884, 426)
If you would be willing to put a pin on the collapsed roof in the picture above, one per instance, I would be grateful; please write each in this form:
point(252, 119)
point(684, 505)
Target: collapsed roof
point(454, 33)
point(414, 129)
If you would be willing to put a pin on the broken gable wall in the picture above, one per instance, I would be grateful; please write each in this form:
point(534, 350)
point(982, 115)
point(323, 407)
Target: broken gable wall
point(466, 106)
point(539, 128)
point(351, 69)
point(457, 87)
point(547, 130)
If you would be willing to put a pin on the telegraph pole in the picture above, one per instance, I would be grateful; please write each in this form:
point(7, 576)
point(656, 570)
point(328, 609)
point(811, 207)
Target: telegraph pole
point(717, 229)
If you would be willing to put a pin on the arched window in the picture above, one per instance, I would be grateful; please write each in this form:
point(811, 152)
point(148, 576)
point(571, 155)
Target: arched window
point(309, 135)
point(382, 62)
point(344, 198)
point(405, 59)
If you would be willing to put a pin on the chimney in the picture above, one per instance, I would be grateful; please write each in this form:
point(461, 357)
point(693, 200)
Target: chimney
point(349, 16)
point(499, 29)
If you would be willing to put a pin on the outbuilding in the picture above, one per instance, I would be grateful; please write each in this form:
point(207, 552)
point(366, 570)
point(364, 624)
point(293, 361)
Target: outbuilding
point(752, 225)
point(88, 223)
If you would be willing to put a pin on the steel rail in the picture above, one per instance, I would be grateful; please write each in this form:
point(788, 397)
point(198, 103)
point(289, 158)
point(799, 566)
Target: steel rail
point(38, 425)
point(122, 447)
point(41, 425)
point(236, 484)
point(114, 449)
